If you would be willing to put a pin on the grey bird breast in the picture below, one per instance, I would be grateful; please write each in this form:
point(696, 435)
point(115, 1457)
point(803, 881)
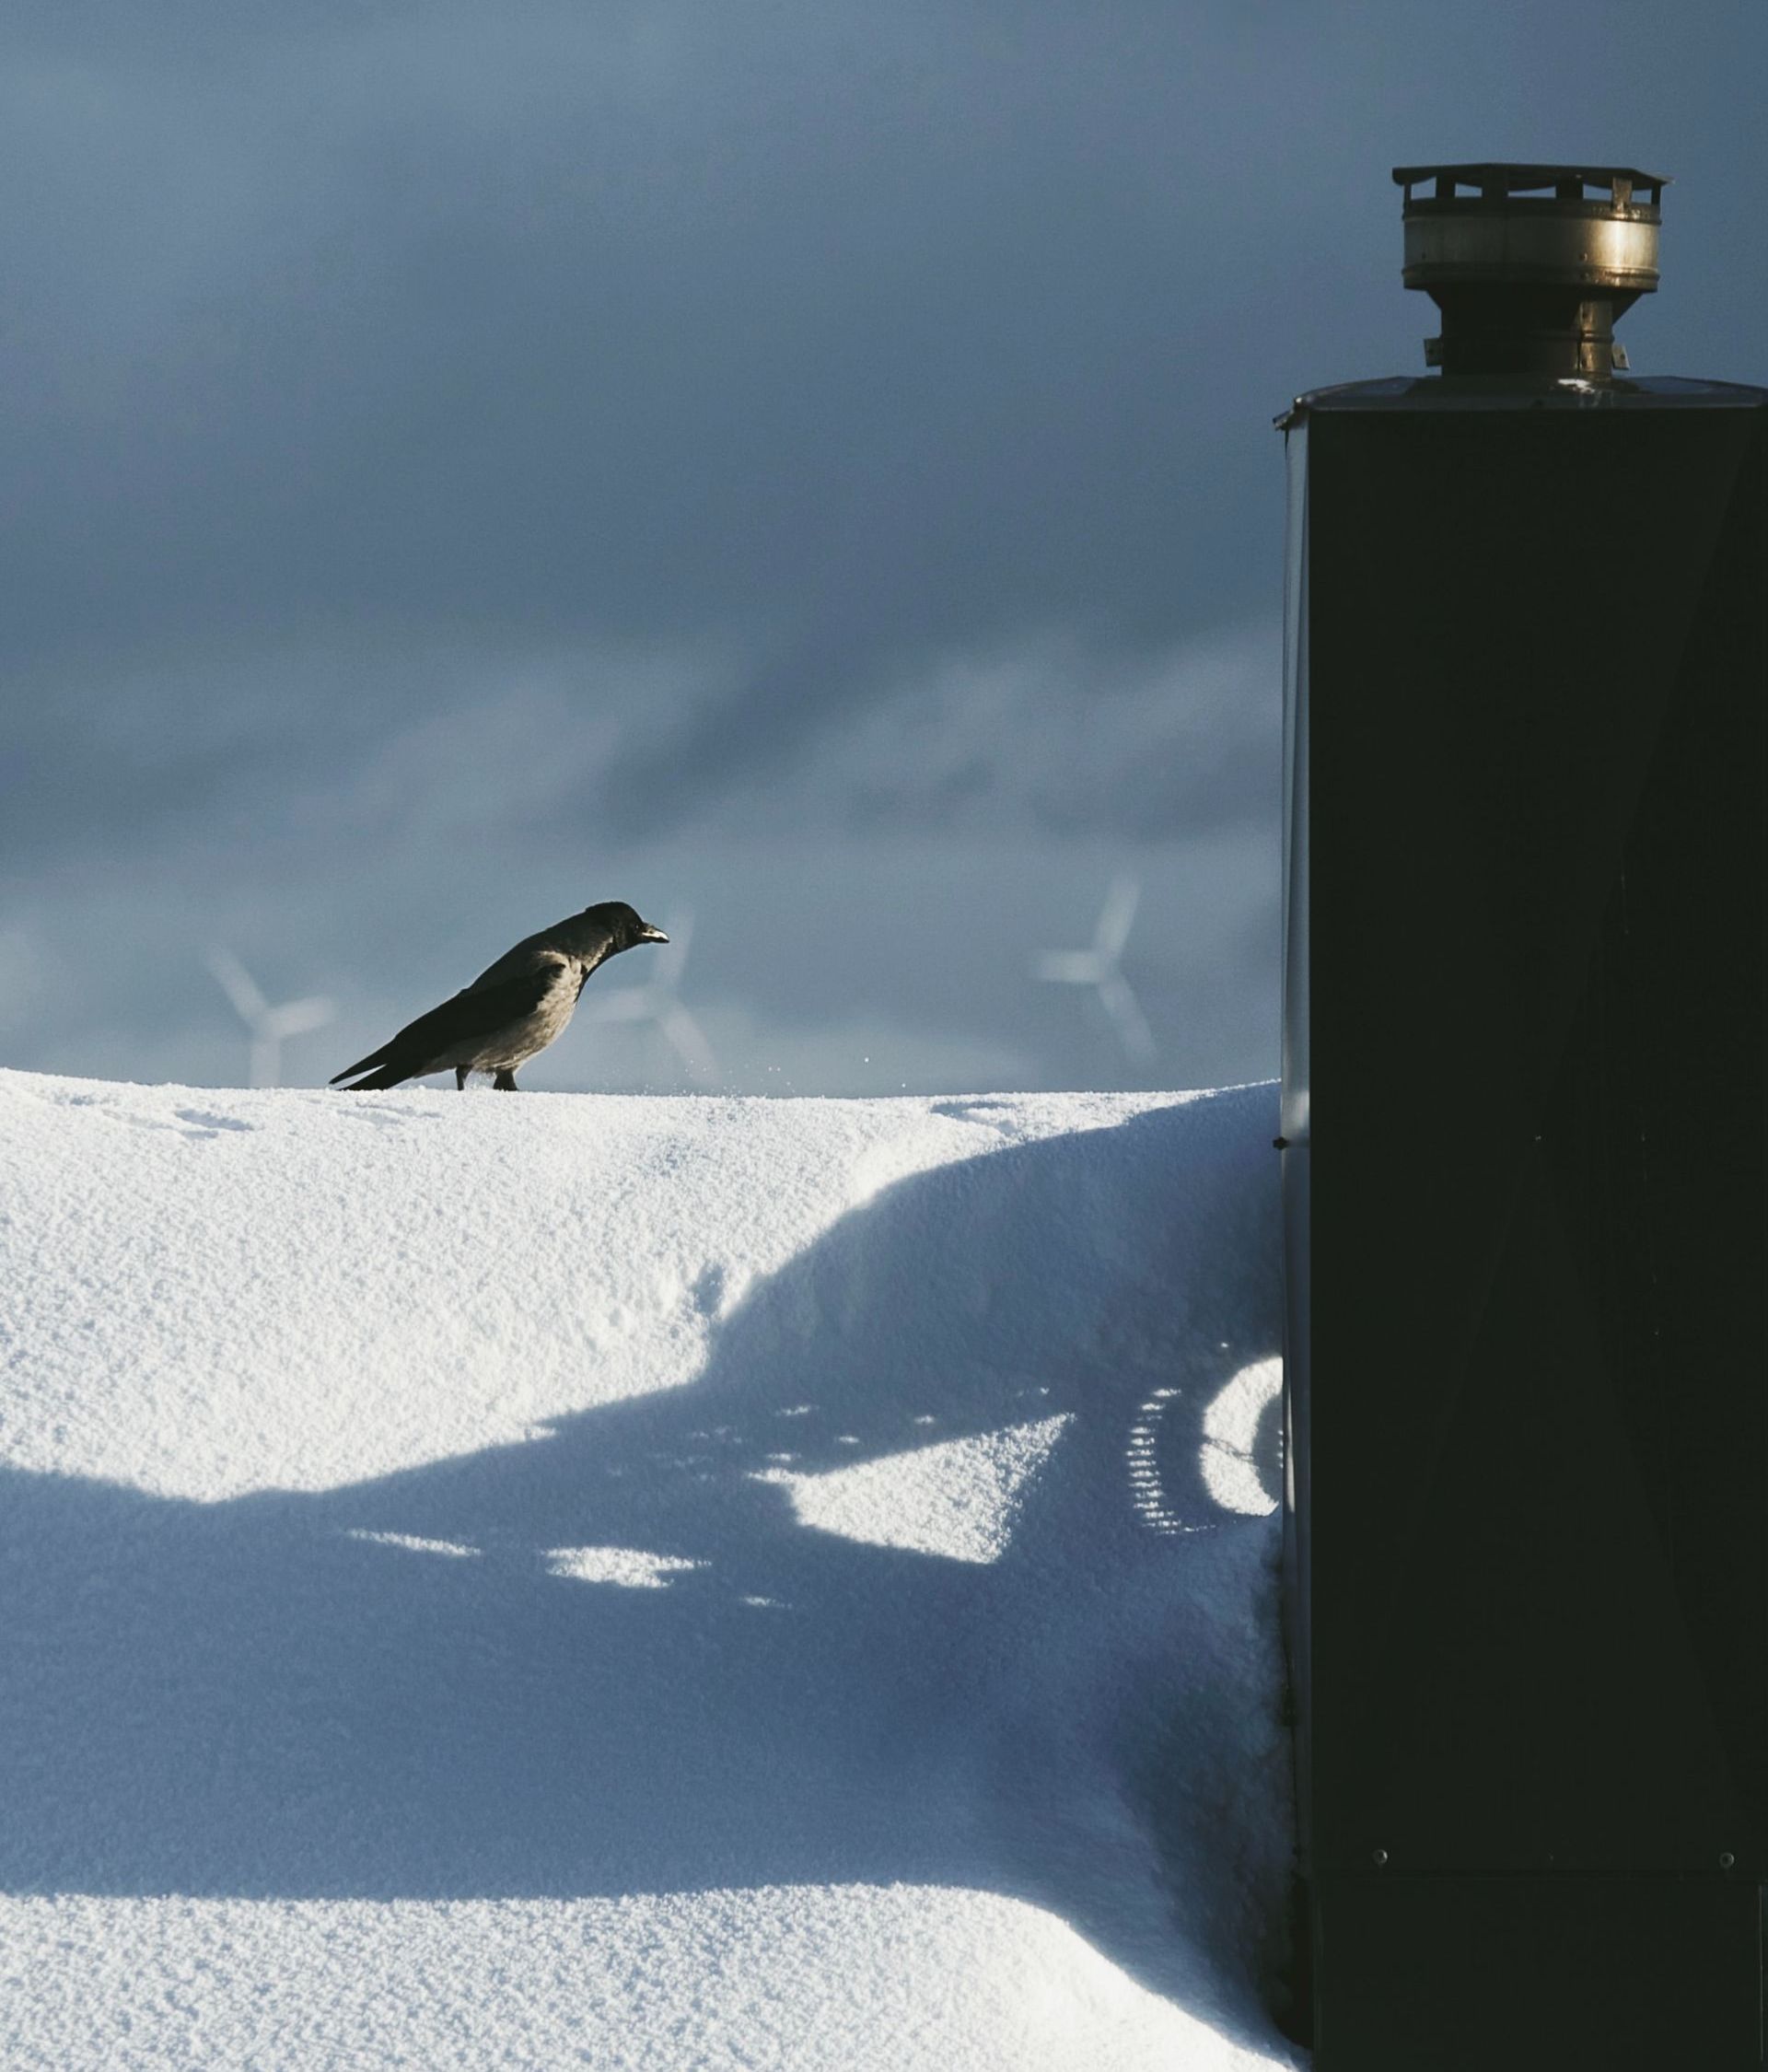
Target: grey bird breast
point(502, 1049)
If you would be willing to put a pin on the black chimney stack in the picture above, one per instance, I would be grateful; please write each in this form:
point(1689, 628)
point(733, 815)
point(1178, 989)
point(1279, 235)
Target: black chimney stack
point(1525, 1146)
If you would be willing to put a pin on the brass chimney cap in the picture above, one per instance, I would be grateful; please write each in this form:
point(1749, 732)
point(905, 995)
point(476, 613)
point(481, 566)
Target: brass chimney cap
point(1527, 264)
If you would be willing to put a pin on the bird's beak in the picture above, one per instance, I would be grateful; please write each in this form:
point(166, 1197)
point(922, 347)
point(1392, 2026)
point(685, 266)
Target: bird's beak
point(650, 933)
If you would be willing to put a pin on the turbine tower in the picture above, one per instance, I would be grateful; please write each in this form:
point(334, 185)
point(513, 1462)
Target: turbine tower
point(1100, 968)
point(267, 1026)
point(658, 1001)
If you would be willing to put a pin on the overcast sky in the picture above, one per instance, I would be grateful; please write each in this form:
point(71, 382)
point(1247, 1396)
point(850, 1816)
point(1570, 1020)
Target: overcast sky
point(805, 467)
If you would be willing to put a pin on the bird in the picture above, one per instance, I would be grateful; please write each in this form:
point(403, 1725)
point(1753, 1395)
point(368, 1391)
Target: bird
point(513, 1009)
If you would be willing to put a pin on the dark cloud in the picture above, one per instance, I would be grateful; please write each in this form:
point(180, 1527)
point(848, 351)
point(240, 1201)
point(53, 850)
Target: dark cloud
point(514, 439)
point(842, 329)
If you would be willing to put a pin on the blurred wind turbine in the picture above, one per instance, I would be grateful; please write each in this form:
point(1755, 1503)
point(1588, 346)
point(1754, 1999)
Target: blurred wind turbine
point(658, 1000)
point(1099, 967)
point(267, 1026)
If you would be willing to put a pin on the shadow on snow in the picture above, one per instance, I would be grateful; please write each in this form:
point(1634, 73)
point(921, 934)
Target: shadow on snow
point(249, 1698)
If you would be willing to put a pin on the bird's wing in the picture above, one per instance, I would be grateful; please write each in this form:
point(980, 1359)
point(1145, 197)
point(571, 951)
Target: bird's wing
point(572, 937)
point(478, 1011)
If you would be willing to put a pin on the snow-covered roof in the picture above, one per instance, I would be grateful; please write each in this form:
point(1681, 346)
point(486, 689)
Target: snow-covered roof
point(637, 1582)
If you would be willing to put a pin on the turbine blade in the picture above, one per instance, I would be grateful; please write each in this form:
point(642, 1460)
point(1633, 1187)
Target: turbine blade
point(1127, 1018)
point(237, 982)
point(299, 1016)
point(689, 1041)
point(632, 1003)
point(674, 953)
point(1116, 916)
point(1070, 967)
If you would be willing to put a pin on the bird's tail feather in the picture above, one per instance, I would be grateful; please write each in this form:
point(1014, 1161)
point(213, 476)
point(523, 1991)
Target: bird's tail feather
point(362, 1065)
point(392, 1075)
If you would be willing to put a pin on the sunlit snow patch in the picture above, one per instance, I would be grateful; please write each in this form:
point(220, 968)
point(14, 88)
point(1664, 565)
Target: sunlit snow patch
point(1231, 1438)
point(1146, 1491)
point(958, 1498)
point(630, 1568)
point(410, 1542)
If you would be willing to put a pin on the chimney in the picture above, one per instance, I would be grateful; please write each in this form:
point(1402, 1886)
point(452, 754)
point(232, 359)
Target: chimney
point(1525, 1167)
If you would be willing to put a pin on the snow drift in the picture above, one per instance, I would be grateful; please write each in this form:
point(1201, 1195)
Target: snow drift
point(637, 1582)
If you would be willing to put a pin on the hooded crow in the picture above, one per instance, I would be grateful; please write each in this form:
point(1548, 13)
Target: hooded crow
point(512, 1010)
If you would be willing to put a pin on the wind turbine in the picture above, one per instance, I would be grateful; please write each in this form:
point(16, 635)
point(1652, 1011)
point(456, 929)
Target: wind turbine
point(267, 1026)
point(1099, 967)
point(658, 1000)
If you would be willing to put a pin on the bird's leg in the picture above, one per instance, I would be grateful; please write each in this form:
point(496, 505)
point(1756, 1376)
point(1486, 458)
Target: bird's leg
point(460, 1072)
point(505, 1082)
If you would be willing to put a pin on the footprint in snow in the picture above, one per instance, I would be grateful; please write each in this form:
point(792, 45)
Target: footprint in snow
point(986, 1114)
point(205, 1125)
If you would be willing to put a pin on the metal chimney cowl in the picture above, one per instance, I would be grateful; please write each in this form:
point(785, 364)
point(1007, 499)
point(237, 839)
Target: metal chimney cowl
point(1528, 269)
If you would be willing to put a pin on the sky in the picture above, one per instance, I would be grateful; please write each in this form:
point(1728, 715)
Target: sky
point(806, 470)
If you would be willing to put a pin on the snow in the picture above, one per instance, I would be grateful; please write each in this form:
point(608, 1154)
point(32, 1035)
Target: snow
point(590, 1581)
point(958, 1499)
